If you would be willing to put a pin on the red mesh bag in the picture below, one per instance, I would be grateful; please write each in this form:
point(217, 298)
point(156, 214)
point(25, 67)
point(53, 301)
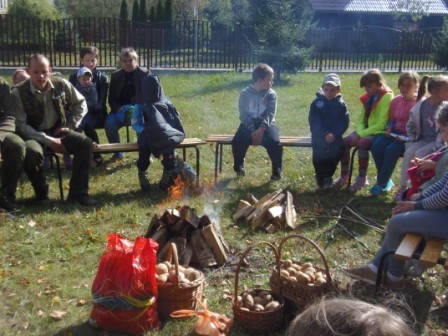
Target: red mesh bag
point(125, 289)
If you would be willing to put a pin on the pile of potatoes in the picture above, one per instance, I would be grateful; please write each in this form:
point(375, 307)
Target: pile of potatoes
point(166, 273)
point(257, 301)
point(302, 273)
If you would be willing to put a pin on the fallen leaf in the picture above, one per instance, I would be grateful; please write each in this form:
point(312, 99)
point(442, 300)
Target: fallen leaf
point(31, 223)
point(55, 299)
point(40, 313)
point(81, 302)
point(215, 201)
point(58, 314)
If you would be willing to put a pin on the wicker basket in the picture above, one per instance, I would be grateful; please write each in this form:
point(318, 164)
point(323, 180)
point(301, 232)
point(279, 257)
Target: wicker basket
point(298, 293)
point(176, 296)
point(258, 322)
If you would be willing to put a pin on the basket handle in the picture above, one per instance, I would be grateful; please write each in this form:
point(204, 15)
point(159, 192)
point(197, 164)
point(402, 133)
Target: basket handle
point(284, 240)
point(244, 255)
point(171, 256)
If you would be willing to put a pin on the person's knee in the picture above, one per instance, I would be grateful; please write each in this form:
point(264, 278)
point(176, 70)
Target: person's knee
point(14, 146)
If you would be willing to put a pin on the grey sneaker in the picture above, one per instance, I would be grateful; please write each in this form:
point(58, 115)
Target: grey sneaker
point(361, 182)
point(143, 179)
point(362, 273)
point(395, 285)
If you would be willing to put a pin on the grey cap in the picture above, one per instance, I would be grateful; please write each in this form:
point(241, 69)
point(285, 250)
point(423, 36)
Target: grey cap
point(332, 79)
point(83, 71)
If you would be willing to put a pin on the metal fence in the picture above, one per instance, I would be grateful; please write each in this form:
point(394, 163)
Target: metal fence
point(200, 44)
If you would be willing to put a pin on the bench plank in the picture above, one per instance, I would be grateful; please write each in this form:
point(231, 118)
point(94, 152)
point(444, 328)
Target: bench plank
point(133, 146)
point(431, 253)
point(408, 246)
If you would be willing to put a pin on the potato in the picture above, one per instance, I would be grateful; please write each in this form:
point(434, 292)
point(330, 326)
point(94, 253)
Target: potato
point(306, 265)
point(258, 307)
point(258, 300)
point(266, 299)
point(172, 276)
point(244, 308)
point(188, 271)
point(194, 275)
point(292, 271)
point(161, 268)
point(320, 281)
point(253, 292)
point(297, 267)
point(263, 293)
point(310, 274)
point(287, 263)
point(309, 269)
point(272, 306)
point(248, 301)
point(181, 269)
point(162, 278)
point(239, 299)
point(303, 278)
point(184, 281)
point(284, 273)
point(292, 278)
point(168, 264)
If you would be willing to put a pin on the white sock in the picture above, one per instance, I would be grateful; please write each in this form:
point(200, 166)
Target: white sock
point(373, 268)
point(393, 277)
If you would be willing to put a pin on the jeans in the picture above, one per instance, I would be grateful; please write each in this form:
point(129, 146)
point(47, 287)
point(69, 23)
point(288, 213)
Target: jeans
point(243, 139)
point(144, 153)
point(112, 125)
point(430, 223)
point(386, 151)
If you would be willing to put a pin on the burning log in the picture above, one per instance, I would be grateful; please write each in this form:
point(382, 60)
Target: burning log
point(272, 212)
point(195, 237)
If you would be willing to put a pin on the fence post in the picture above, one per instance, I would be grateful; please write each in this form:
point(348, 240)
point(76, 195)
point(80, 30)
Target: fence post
point(236, 45)
point(50, 42)
point(403, 39)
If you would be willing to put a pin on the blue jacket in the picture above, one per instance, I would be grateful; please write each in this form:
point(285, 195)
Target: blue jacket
point(327, 116)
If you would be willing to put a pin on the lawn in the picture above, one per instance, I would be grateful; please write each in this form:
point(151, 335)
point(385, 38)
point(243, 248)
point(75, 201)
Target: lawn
point(50, 255)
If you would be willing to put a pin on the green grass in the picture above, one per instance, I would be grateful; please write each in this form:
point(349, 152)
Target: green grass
point(49, 255)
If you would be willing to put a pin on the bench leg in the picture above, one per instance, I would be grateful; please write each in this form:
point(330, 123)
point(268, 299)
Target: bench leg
point(216, 162)
point(381, 268)
point(352, 160)
point(184, 154)
point(58, 169)
point(221, 147)
point(198, 162)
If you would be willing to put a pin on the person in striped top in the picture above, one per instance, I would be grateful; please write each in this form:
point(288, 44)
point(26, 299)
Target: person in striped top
point(425, 215)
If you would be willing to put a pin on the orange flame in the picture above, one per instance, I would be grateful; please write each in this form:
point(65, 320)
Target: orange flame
point(177, 190)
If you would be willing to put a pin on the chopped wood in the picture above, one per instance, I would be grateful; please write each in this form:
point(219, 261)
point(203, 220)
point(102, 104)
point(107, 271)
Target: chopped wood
point(161, 236)
point(251, 198)
point(187, 255)
point(276, 211)
point(154, 224)
point(204, 221)
point(270, 228)
point(243, 212)
point(170, 216)
point(242, 204)
point(214, 241)
point(202, 250)
point(181, 245)
point(189, 215)
point(290, 212)
point(266, 205)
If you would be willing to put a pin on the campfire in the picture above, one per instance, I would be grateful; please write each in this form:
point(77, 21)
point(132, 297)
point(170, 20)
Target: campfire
point(197, 239)
point(272, 212)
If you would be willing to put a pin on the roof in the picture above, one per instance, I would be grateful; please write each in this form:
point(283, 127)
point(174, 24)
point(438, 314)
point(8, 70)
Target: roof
point(437, 7)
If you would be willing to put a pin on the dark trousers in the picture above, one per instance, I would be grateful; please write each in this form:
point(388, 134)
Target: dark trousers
point(18, 154)
point(89, 124)
point(243, 139)
point(326, 156)
point(144, 154)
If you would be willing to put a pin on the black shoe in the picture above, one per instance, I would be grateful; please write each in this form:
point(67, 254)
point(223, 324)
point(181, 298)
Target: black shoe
point(42, 200)
point(7, 204)
point(81, 199)
point(275, 178)
point(240, 172)
point(167, 179)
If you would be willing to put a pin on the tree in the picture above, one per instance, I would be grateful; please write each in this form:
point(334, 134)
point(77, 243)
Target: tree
point(153, 14)
point(135, 11)
point(219, 12)
point(281, 26)
point(169, 11)
point(37, 9)
point(160, 11)
point(124, 10)
point(441, 47)
point(143, 11)
point(87, 8)
point(416, 9)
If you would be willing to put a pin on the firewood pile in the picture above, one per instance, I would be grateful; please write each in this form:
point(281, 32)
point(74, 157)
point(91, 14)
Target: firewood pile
point(197, 239)
point(272, 212)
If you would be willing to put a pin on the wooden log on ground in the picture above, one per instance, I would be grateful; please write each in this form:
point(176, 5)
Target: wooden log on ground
point(201, 249)
point(242, 204)
point(213, 240)
point(243, 212)
point(154, 224)
point(161, 236)
point(251, 198)
point(204, 221)
point(170, 216)
point(276, 211)
point(270, 228)
point(189, 215)
point(290, 212)
point(181, 245)
point(272, 199)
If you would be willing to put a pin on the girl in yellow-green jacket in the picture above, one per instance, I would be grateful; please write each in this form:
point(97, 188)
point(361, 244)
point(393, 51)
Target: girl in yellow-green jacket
point(371, 122)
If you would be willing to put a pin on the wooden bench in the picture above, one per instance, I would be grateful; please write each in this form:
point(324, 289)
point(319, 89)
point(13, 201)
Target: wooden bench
point(133, 147)
point(226, 139)
point(415, 246)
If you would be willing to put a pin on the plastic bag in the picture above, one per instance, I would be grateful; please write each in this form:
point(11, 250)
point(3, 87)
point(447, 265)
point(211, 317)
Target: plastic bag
point(418, 178)
point(209, 323)
point(125, 289)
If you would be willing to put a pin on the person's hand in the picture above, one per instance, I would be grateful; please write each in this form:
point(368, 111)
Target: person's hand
point(401, 207)
point(426, 165)
point(354, 140)
point(415, 196)
point(387, 133)
point(57, 146)
point(329, 138)
point(257, 136)
point(60, 131)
